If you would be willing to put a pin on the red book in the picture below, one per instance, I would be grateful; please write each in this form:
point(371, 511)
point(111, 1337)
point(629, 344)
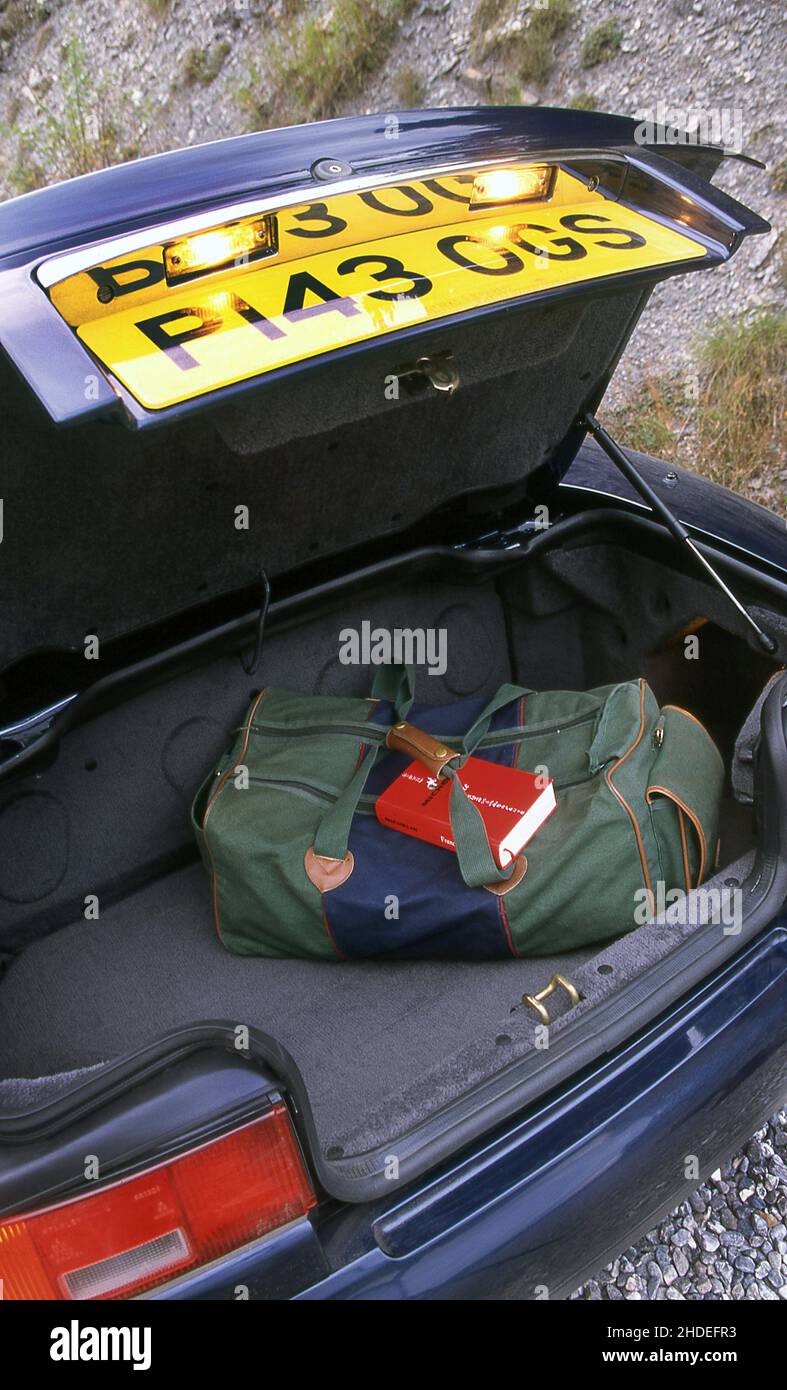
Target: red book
point(513, 805)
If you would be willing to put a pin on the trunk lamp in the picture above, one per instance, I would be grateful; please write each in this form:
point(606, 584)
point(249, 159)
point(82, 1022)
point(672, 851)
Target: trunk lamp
point(496, 187)
point(236, 244)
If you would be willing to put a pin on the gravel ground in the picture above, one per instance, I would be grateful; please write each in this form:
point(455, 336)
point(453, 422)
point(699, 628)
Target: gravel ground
point(728, 1241)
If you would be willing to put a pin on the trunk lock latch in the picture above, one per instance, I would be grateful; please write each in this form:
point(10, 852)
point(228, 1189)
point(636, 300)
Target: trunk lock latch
point(534, 1001)
point(438, 372)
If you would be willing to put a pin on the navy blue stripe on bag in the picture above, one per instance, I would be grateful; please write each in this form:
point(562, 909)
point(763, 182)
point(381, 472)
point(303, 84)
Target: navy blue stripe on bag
point(401, 887)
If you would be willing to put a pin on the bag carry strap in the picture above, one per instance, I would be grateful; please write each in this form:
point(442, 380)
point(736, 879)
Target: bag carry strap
point(393, 683)
point(477, 864)
point(397, 684)
point(479, 730)
point(333, 832)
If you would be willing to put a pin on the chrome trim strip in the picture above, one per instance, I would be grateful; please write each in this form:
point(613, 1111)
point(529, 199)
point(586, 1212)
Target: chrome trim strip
point(31, 721)
point(57, 268)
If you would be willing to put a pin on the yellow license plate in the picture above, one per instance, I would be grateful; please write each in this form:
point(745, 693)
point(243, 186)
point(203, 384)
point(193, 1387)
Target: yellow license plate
point(340, 278)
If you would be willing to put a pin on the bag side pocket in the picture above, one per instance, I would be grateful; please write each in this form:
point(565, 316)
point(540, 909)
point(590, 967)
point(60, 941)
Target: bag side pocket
point(687, 773)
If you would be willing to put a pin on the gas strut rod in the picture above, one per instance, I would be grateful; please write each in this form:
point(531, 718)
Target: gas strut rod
point(673, 525)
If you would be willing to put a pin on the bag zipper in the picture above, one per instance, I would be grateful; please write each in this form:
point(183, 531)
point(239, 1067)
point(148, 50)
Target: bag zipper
point(362, 731)
point(378, 734)
point(366, 803)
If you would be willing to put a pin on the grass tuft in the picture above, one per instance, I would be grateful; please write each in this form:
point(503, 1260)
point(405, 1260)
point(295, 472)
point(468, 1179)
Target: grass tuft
point(24, 173)
point(488, 20)
point(601, 44)
point(583, 101)
point(409, 88)
point(536, 56)
point(18, 18)
point(203, 65)
point(551, 19)
point(536, 50)
point(743, 404)
point(650, 421)
point(528, 52)
point(82, 135)
point(323, 63)
point(734, 432)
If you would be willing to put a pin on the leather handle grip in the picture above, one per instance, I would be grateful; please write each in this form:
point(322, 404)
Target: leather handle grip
point(406, 738)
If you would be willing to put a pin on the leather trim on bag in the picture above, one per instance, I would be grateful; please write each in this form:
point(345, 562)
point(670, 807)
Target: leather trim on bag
point(506, 884)
point(680, 710)
point(672, 796)
point(416, 743)
point(506, 928)
point(212, 801)
point(684, 849)
point(325, 873)
point(619, 795)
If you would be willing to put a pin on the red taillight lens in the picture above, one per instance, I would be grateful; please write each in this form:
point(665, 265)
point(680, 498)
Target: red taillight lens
point(140, 1232)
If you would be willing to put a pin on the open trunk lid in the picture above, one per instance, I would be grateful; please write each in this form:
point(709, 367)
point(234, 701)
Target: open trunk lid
point(296, 308)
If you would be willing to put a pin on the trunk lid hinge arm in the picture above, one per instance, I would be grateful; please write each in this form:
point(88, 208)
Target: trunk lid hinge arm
point(676, 528)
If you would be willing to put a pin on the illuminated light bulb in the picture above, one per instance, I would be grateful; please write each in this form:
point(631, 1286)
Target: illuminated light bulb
point(496, 187)
point(221, 246)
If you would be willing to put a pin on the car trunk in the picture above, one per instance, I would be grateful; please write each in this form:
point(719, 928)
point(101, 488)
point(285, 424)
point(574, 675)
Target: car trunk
point(407, 509)
point(380, 1049)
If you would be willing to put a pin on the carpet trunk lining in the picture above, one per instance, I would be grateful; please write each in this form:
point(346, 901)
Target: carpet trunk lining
point(379, 1046)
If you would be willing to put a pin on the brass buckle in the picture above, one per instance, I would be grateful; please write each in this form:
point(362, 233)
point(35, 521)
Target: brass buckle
point(534, 1000)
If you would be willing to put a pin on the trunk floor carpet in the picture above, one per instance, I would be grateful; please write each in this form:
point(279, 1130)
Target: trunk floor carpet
point(361, 1034)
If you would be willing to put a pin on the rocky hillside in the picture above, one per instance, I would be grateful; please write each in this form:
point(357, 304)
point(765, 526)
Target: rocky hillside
point(89, 82)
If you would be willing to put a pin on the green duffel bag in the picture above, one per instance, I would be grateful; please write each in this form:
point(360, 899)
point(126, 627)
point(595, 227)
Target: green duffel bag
point(300, 865)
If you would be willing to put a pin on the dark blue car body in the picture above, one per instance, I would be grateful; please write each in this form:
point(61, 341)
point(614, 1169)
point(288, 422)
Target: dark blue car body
point(544, 1198)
